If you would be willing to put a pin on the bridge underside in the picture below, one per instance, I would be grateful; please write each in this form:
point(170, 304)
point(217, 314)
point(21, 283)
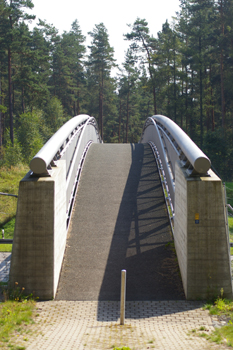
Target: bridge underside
point(119, 222)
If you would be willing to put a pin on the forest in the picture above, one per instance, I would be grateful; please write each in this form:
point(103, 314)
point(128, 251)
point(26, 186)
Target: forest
point(185, 72)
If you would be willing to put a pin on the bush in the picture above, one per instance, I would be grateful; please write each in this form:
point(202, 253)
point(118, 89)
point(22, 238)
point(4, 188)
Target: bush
point(29, 135)
point(12, 154)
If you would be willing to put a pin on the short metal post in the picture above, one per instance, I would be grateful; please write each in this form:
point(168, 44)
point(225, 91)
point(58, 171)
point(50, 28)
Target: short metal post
point(123, 295)
point(3, 234)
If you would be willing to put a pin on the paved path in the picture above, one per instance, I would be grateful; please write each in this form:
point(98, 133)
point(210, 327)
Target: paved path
point(92, 325)
point(119, 222)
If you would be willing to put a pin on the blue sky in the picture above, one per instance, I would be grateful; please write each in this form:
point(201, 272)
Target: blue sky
point(114, 14)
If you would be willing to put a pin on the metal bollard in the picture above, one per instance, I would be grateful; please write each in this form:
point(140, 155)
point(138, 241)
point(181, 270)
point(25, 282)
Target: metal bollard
point(3, 234)
point(123, 296)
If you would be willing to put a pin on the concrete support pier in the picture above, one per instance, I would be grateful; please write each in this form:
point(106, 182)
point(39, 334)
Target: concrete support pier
point(40, 233)
point(201, 237)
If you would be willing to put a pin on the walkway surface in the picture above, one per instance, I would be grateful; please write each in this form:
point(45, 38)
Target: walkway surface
point(119, 221)
point(94, 325)
point(161, 325)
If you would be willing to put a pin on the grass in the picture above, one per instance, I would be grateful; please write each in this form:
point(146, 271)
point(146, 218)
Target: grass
point(9, 226)
point(222, 308)
point(229, 189)
point(14, 320)
point(5, 247)
point(9, 183)
point(230, 223)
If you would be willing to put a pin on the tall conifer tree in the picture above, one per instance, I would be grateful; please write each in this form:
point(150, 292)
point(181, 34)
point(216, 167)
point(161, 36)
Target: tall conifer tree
point(12, 12)
point(144, 43)
point(100, 63)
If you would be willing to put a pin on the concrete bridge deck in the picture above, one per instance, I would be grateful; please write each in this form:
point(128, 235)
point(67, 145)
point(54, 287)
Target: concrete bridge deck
point(119, 221)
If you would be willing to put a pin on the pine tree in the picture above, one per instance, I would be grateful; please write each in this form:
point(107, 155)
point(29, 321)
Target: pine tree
point(127, 93)
point(12, 13)
point(143, 43)
point(100, 63)
point(201, 16)
point(168, 64)
point(68, 72)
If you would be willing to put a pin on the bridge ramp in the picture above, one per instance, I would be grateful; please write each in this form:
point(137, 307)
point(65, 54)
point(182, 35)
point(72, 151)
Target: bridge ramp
point(119, 221)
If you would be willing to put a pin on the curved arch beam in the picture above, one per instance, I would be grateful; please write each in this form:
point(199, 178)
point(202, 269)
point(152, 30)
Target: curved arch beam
point(171, 144)
point(69, 143)
point(176, 142)
point(200, 162)
point(45, 156)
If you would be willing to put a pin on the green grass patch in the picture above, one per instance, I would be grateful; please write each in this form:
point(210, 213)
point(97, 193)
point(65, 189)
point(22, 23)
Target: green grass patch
point(5, 247)
point(8, 228)
point(223, 335)
point(9, 183)
point(229, 190)
point(230, 224)
point(14, 318)
point(222, 308)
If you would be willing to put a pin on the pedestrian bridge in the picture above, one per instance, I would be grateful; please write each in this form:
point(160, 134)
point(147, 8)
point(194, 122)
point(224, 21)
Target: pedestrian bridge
point(86, 210)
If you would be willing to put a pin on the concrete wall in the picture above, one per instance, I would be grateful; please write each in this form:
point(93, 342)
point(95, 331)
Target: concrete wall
point(200, 235)
point(40, 233)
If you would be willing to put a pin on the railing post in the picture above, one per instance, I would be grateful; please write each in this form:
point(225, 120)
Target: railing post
point(123, 296)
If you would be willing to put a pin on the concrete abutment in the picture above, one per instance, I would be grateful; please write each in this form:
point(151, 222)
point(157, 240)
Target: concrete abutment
point(201, 237)
point(40, 233)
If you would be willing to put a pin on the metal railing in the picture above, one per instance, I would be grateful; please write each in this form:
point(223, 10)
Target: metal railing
point(166, 193)
point(174, 144)
point(8, 194)
point(69, 143)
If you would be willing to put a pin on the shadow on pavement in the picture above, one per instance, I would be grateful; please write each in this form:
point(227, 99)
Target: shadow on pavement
point(142, 239)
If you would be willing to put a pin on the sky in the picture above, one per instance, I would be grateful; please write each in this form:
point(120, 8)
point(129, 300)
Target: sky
point(114, 14)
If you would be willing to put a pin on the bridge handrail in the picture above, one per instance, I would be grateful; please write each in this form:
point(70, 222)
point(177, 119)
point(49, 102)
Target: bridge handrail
point(173, 144)
point(200, 162)
point(185, 146)
point(45, 156)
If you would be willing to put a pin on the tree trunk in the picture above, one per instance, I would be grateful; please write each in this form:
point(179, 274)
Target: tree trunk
point(191, 114)
point(119, 128)
point(10, 97)
point(23, 106)
point(221, 71)
point(186, 99)
point(154, 96)
point(78, 103)
point(0, 114)
point(174, 77)
point(101, 108)
point(201, 87)
point(127, 117)
point(168, 90)
point(151, 75)
point(212, 110)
